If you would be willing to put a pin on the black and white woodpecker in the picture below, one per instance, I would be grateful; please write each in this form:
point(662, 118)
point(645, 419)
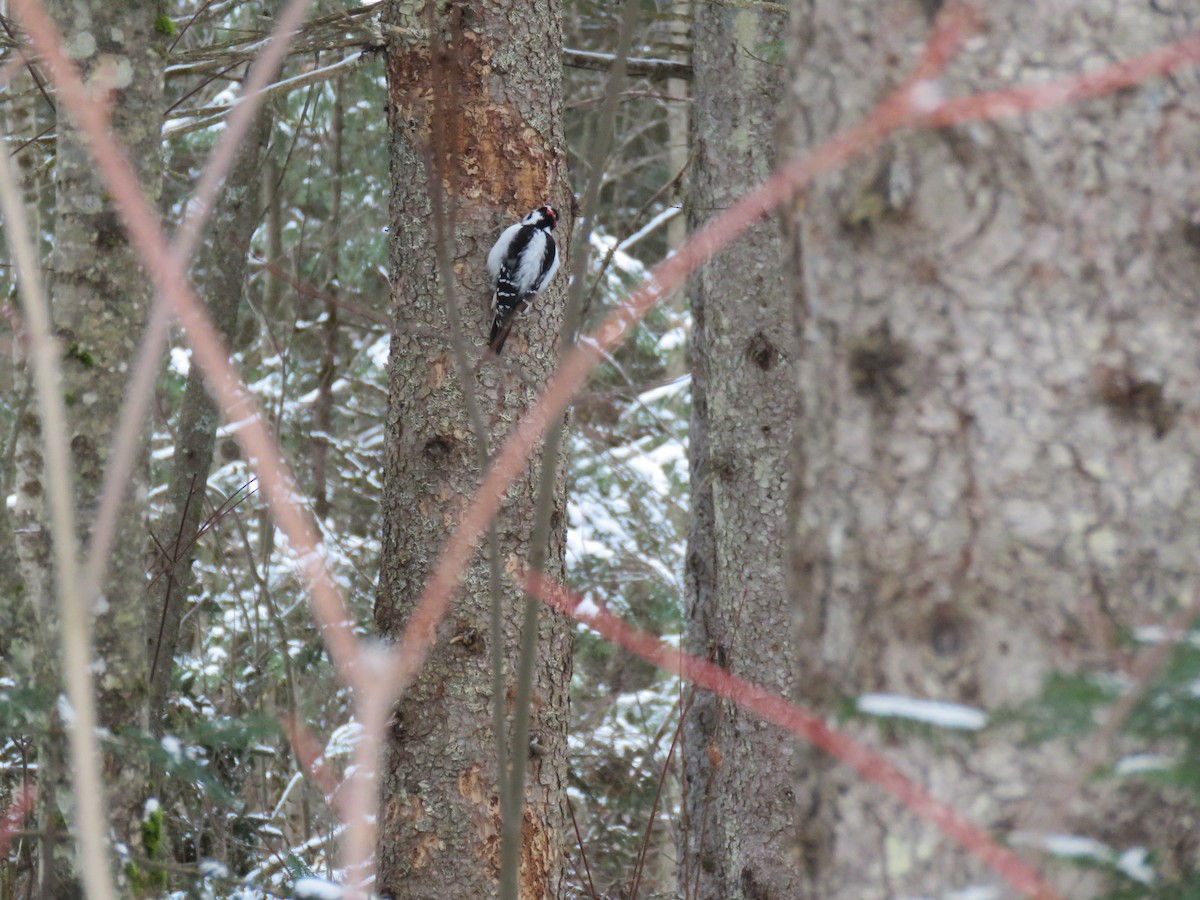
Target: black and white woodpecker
point(521, 263)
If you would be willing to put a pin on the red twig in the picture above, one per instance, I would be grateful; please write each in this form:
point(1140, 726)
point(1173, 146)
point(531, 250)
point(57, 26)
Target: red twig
point(800, 722)
point(167, 266)
point(906, 107)
point(1011, 101)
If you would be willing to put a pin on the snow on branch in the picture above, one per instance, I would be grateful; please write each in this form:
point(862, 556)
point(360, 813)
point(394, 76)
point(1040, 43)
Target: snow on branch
point(636, 67)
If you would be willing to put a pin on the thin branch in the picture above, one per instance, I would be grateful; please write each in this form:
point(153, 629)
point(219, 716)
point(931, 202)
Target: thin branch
point(512, 816)
point(182, 124)
point(33, 73)
point(582, 849)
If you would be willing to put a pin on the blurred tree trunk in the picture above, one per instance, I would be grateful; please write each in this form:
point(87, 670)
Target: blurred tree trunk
point(499, 137)
point(997, 458)
point(739, 839)
point(99, 294)
point(26, 114)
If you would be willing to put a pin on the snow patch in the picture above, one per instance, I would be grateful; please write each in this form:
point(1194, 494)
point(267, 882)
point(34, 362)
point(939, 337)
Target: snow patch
point(66, 711)
point(181, 361)
point(667, 391)
point(1132, 862)
point(213, 868)
point(378, 352)
point(316, 889)
point(1137, 763)
point(932, 712)
point(343, 740)
point(1158, 634)
point(586, 609)
point(173, 747)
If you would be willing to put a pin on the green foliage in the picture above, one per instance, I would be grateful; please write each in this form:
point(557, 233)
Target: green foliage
point(152, 831)
point(1160, 738)
point(235, 806)
point(296, 867)
point(78, 352)
point(165, 26)
point(1168, 713)
point(1139, 891)
point(1067, 706)
point(23, 709)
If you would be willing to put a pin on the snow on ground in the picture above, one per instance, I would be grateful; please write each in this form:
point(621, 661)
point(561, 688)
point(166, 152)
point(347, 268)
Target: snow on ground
point(932, 712)
point(1132, 862)
point(316, 889)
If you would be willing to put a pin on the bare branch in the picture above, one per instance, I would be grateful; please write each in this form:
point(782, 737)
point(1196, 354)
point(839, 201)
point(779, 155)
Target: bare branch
point(635, 67)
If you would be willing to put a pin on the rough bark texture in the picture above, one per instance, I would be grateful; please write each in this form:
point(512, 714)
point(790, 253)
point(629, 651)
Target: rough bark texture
point(99, 295)
point(220, 280)
point(998, 451)
point(25, 115)
point(739, 839)
point(498, 94)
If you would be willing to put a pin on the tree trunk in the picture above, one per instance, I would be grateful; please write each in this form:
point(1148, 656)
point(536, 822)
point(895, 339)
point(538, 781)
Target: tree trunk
point(996, 460)
point(99, 295)
point(25, 115)
point(739, 835)
point(498, 148)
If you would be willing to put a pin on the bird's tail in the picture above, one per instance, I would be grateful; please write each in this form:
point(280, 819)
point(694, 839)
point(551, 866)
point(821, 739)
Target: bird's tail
point(502, 325)
point(500, 328)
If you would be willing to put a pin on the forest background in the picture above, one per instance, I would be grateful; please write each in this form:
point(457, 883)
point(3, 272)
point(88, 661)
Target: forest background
point(901, 478)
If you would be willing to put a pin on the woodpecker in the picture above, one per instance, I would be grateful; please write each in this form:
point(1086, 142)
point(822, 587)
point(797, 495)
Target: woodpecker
point(521, 263)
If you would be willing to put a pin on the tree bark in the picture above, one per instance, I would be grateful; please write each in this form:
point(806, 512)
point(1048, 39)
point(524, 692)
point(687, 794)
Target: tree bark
point(25, 115)
point(496, 142)
point(99, 294)
point(996, 460)
point(739, 837)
